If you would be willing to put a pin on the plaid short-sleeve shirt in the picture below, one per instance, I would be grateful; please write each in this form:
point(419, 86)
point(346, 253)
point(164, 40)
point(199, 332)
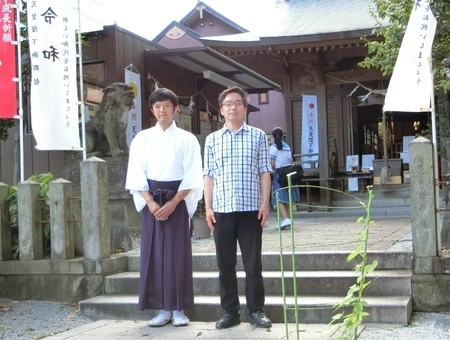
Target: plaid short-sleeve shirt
point(235, 162)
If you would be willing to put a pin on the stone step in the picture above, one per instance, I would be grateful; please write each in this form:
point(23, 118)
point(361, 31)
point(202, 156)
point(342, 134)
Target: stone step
point(313, 260)
point(308, 283)
point(323, 279)
point(311, 309)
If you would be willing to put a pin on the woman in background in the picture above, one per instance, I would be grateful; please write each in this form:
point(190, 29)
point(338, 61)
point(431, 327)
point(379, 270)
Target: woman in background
point(280, 156)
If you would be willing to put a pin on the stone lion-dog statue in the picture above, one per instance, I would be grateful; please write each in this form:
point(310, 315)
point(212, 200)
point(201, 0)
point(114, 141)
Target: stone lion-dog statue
point(106, 131)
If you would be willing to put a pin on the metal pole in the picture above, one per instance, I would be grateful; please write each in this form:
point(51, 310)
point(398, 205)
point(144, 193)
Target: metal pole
point(385, 153)
point(18, 6)
point(435, 159)
point(81, 103)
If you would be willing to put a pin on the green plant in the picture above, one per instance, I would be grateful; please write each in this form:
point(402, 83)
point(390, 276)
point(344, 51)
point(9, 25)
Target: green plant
point(44, 181)
point(347, 324)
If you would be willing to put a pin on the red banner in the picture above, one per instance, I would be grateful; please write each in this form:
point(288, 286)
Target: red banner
point(8, 97)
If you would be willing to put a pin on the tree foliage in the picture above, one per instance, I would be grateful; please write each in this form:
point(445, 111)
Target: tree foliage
point(392, 19)
point(5, 124)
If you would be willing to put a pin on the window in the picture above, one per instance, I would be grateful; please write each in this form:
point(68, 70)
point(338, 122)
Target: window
point(263, 98)
point(94, 84)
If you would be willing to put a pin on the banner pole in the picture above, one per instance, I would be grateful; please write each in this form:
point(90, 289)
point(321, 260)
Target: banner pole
point(20, 89)
point(436, 160)
point(80, 67)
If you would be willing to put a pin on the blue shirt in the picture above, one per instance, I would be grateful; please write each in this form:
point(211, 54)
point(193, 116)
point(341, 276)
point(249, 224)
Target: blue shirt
point(235, 162)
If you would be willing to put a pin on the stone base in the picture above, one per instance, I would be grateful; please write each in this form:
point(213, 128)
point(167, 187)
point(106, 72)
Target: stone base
point(125, 220)
point(430, 282)
point(430, 292)
point(67, 281)
point(201, 229)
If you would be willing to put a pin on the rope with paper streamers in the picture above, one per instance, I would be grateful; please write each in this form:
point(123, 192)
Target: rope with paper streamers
point(191, 103)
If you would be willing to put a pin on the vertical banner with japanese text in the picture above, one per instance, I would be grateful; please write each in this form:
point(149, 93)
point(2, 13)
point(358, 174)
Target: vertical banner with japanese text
point(411, 83)
point(310, 129)
point(54, 92)
point(135, 115)
point(8, 87)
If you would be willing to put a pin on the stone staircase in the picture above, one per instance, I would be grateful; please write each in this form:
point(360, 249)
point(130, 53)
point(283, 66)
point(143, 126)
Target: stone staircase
point(323, 279)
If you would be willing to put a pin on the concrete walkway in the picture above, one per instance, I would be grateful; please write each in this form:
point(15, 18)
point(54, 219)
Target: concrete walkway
point(329, 231)
point(317, 231)
point(128, 330)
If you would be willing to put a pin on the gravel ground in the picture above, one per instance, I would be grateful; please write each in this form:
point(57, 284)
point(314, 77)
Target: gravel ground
point(422, 326)
point(20, 320)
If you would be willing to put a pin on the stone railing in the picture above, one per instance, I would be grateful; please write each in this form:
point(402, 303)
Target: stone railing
point(65, 217)
point(81, 236)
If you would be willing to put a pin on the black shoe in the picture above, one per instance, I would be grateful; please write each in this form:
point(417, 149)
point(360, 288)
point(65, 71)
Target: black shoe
point(228, 320)
point(260, 320)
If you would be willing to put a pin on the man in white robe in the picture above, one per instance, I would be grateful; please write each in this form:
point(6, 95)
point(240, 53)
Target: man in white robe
point(166, 181)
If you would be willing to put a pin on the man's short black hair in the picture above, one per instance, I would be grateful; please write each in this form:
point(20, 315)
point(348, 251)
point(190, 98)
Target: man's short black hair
point(162, 94)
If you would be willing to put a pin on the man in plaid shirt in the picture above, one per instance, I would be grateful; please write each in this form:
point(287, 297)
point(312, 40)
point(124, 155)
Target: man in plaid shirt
point(237, 193)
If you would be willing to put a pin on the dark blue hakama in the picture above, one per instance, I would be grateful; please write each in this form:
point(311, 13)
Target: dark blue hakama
point(166, 258)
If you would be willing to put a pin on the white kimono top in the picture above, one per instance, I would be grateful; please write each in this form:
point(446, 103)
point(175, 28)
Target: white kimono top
point(170, 155)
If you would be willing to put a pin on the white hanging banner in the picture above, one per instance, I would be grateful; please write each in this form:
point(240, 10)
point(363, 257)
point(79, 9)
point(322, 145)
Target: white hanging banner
point(133, 79)
point(411, 83)
point(310, 129)
point(54, 92)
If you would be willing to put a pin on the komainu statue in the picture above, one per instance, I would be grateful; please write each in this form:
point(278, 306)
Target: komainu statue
point(106, 131)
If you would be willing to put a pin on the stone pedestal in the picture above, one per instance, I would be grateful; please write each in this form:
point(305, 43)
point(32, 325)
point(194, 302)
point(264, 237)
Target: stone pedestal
point(125, 221)
point(200, 227)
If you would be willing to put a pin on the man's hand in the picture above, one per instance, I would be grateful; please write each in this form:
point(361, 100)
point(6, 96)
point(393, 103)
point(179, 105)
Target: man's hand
point(210, 219)
point(153, 206)
point(166, 210)
point(263, 214)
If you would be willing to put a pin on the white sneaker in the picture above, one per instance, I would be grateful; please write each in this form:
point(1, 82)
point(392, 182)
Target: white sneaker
point(286, 223)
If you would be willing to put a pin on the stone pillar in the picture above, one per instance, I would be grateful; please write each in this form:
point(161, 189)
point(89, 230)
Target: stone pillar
point(30, 231)
point(5, 227)
point(62, 231)
point(95, 209)
point(423, 213)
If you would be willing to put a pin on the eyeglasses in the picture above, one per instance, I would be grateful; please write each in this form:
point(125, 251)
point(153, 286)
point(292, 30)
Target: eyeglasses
point(230, 104)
